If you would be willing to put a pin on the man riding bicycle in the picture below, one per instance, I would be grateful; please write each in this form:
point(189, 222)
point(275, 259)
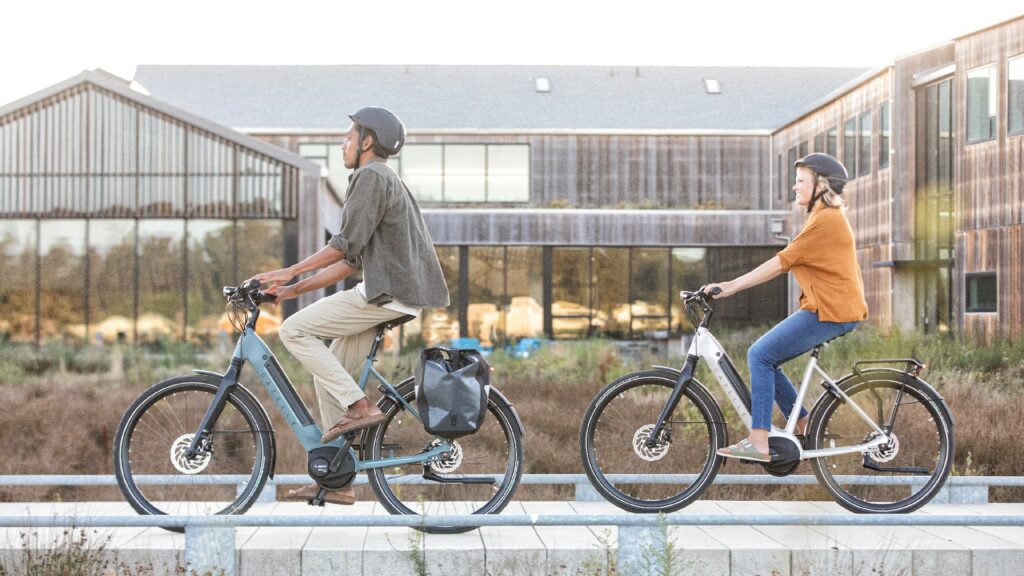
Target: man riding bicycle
point(383, 234)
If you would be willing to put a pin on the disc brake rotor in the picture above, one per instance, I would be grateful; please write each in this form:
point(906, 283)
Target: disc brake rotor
point(885, 452)
point(183, 463)
point(652, 453)
point(448, 462)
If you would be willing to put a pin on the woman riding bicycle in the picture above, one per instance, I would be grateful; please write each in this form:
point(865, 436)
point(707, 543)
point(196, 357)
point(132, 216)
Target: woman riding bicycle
point(824, 260)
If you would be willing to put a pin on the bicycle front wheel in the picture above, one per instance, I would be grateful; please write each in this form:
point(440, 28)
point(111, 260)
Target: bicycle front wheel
point(227, 474)
point(660, 478)
point(478, 476)
point(896, 477)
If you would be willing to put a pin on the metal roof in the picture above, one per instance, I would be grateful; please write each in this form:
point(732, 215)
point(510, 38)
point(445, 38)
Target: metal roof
point(123, 88)
point(496, 98)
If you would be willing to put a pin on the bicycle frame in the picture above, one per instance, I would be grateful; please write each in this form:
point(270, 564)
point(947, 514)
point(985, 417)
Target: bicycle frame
point(252, 349)
point(706, 347)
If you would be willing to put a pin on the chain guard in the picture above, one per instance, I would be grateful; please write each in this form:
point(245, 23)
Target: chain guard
point(318, 462)
point(785, 456)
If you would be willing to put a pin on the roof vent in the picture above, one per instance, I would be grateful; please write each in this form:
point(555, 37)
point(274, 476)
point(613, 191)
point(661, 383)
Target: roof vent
point(711, 86)
point(541, 84)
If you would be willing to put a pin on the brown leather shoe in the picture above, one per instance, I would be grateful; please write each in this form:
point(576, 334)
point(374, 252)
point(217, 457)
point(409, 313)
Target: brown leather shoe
point(349, 424)
point(345, 496)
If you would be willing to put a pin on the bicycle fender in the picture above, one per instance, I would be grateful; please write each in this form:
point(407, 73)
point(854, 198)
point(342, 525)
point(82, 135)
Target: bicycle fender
point(511, 408)
point(898, 375)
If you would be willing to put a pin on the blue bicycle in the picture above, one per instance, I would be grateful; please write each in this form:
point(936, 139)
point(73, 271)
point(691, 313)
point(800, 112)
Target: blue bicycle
point(213, 435)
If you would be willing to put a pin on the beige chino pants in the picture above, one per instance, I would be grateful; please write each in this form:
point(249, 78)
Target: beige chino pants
point(350, 321)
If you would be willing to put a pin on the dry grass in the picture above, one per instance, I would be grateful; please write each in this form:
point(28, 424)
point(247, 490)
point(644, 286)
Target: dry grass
point(64, 423)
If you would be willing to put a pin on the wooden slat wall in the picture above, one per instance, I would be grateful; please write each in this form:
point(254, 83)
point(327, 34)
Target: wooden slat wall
point(868, 196)
point(990, 191)
point(602, 228)
point(1000, 249)
point(608, 171)
point(89, 152)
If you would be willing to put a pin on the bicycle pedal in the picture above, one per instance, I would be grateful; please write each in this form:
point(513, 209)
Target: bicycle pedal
point(315, 502)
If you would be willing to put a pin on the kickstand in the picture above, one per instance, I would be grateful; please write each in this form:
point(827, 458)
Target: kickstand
point(318, 500)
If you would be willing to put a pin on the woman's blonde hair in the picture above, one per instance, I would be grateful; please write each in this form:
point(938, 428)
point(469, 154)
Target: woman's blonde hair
point(830, 197)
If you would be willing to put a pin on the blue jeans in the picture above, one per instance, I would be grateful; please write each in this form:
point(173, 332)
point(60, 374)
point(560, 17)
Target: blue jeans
point(790, 338)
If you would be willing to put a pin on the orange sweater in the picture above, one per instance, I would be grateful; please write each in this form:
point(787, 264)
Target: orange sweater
point(823, 257)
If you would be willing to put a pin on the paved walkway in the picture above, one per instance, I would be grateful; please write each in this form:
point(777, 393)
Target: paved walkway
point(543, 550)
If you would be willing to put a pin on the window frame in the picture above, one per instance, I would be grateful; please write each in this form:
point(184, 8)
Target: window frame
point(884, 135)
point(976, 276)
point(993, 82)
point(1019, 58)
point(864, 162)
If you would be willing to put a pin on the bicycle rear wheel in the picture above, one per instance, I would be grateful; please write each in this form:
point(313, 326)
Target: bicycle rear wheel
point(226, 476)
point(494, 452)
point(662, 478)
point(899, 476)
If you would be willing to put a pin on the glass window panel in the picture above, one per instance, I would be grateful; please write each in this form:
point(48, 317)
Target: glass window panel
point(260, 247)
point(819, 142)
point(1015, 94)
point(421, 171)
point(464, 174)
point(982, 96)
point(982, 292)
point(313, 151)
point(571, 313)
point(161, 167)
point(508, 173)
point(833, 143)
point(791, 173)
point(524, 307)
point(945, 136)
point(864, 159)
point(17, 282)
point(437, 326)
point(260, 187)
point(689, 272)
point(486, 295)
point(650, 289)
point(611, 291)
point(803, 151)
point(883, 136)
point(211, 169)
point(850, 145)
point(210, 263)
point(161, 250)
point(759, 306)
point(62, 279)
point(111, 280)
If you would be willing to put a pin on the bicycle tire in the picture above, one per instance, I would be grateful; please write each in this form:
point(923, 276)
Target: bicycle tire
point(638, 399)
point(482, 453)
point(153, 432)
point(923, 431)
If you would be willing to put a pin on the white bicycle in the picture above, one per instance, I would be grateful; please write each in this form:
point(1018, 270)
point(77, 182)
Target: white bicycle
point(880, 439)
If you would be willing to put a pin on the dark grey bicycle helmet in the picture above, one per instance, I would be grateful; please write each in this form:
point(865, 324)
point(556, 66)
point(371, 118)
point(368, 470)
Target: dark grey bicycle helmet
point(827, 166)
point(389, 129)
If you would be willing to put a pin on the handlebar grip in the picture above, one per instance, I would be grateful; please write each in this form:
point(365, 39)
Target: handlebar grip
point(250, 285)
point(715, 291)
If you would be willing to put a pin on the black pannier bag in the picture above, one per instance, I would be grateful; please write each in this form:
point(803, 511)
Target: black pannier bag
point(451, 391)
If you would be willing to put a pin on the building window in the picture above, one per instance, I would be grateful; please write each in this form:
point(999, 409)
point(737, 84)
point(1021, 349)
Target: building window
point(330, 156)
point(1015, 95)
point(803, 150)
point(981, 292)
point(791, 170)
point(883, 136)
point(819, 142)
point(467, 172)
point(982, 97)
point(832, 143)
point(864, 158)
point(850, 146)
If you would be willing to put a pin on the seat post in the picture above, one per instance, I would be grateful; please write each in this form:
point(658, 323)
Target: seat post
point(376, 341)
point(816, 351)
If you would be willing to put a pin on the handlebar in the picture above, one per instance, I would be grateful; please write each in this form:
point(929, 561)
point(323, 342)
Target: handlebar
point(699, 299)
point(249, 292)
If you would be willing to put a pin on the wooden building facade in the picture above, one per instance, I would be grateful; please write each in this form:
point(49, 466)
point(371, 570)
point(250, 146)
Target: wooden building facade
point(935, 147)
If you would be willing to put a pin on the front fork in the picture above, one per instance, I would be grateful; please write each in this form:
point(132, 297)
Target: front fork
point(215, 408)
point(682, 382)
